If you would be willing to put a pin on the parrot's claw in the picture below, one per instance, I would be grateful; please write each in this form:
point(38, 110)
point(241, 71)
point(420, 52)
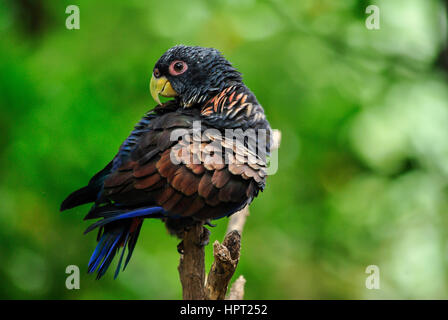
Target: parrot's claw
point(208, 223)
point(205, 238)
point(180, 247)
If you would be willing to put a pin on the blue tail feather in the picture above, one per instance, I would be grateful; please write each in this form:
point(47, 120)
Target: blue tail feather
point(108, 258)
point(131, 246)
point(97, 250)
point(121, 257)
point(155, 212)
point(104, 248)
point(119, 230)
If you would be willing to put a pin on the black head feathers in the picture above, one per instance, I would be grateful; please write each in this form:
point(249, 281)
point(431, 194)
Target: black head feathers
point(196, 73)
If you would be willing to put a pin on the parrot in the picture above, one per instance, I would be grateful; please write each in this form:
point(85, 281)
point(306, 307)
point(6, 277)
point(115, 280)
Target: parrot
point(200, 156)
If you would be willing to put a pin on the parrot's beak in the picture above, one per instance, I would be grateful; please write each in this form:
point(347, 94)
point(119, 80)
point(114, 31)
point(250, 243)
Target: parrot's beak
point(161, 86)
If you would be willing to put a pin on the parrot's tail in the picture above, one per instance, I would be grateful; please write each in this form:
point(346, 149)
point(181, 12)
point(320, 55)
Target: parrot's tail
point(118, 231)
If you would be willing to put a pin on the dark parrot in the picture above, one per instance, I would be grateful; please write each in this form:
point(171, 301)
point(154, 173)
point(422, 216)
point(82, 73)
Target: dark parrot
point(198, 157)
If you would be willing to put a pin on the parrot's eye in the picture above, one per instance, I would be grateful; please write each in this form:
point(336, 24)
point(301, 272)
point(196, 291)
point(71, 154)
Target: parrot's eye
point(156, 73)
point(177, 67)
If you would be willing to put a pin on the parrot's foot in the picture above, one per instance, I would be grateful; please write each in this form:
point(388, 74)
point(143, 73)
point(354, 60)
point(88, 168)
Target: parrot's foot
point(208, 223)
point(205, 237)
point(180, 247)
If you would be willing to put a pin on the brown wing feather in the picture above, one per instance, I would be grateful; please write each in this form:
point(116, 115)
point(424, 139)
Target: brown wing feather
point(207, 189)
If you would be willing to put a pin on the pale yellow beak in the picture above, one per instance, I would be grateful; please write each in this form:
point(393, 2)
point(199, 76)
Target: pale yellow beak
point(161, 86)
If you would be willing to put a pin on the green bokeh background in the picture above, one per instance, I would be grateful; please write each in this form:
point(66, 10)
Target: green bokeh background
point(363, 165)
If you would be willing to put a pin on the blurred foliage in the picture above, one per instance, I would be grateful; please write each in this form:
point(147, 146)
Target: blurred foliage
point(363, 171)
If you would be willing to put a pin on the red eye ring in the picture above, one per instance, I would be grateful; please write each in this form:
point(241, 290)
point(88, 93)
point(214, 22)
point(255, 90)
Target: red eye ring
point(177, 67)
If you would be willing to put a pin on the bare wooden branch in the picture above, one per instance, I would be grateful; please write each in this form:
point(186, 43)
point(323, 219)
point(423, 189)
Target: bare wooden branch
point(226, 260)
point(237, 289)
point(237, 220)
point(191, 266)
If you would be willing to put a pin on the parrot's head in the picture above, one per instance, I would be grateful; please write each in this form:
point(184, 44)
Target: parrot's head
point(192, 75)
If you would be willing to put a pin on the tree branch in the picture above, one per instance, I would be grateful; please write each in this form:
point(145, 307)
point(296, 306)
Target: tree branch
point(191, 266)
point(226, 256)
point(237, 289)
point(237, 220)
